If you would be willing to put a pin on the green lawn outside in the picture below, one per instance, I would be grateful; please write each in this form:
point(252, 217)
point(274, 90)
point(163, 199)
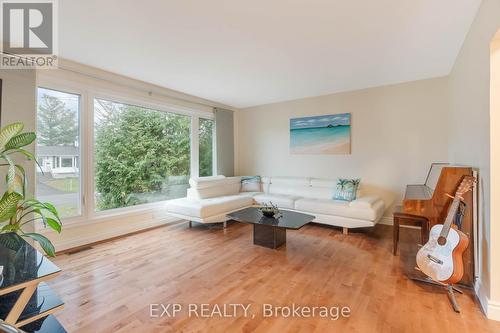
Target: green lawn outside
point(65, 184)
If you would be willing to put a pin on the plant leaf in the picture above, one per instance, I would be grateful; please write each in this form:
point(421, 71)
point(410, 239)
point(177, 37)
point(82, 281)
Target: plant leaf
point(36, 211)
point(44, 242)
point(17, 185)
point(30, 202)
point(26, 153)
point(53, 224)
point(20, 140)
point(44, 219)
point(8, 159)
point(23, 177)
point(21, 169)
point(29, 156)
point(8, 132)
point(10, 228)
point(34, 203)
point(50, 207)
point(8, 205)
point(11, 175)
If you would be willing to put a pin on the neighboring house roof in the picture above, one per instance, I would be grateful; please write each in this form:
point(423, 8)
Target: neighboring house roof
point(57, 151)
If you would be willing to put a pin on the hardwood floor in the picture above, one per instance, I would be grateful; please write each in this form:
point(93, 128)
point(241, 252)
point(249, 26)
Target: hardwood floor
point(110, 287)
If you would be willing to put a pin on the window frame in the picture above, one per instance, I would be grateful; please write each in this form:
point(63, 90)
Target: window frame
point(81, 137)
point(87, 94)
point(214, 145)
point(132, 102)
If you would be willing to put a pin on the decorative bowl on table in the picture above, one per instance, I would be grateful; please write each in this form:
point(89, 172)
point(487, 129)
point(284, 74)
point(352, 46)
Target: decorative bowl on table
point(269, 210)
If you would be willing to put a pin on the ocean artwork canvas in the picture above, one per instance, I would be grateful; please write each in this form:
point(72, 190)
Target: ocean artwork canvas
point(328, 134)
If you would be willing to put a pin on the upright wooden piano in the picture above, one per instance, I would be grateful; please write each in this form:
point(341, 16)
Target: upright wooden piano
point(431, 201)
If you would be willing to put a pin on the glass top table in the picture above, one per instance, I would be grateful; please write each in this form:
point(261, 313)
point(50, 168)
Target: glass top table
point(267, 231)
point(23, 266)
point(26, 301)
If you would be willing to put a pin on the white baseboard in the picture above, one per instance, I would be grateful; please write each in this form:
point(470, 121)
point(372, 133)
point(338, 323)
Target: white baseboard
point(386, 220)
point(493, 310)
point(490, 308)
point(483, 300)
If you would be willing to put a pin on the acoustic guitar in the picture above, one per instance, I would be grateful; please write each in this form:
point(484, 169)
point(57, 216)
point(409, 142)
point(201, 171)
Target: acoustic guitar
point(441, 257)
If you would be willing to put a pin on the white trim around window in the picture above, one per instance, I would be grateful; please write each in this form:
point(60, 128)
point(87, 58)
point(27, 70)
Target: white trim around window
point(82, 138)
point(214, 148)
point(86, 161)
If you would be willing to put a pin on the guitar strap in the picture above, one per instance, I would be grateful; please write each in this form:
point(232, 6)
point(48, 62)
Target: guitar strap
point(460, 215)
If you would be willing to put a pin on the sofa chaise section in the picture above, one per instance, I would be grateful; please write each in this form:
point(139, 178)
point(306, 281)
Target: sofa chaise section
point(209, 200)
point(210, 210)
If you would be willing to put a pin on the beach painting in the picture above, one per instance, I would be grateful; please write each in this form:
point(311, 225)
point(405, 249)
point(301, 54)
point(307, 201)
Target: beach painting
point(329, 134)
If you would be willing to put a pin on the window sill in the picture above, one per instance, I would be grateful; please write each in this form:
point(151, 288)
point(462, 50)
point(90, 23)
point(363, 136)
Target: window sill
point(104, 216)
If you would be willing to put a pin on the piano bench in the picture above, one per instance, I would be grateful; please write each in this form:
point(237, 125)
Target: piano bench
point(400, 218)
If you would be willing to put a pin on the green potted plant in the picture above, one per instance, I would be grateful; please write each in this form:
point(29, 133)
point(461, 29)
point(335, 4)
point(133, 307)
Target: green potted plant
point(16, 210)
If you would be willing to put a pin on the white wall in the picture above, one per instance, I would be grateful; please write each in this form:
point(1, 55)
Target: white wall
point(495, 173)
point(19, 105)
point(397, 132)
point(469, 130)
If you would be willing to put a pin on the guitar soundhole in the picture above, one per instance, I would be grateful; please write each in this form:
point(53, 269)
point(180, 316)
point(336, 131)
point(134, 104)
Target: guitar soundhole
point(441, 240)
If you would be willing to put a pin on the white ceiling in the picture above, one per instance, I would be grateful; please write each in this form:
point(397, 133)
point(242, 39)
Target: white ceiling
point(246, 53)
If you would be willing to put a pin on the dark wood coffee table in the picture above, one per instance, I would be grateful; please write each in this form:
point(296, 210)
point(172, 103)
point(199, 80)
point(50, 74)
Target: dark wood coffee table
point(271, 232)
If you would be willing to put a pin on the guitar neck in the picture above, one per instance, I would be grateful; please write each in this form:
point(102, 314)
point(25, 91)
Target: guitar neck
point(449, 218)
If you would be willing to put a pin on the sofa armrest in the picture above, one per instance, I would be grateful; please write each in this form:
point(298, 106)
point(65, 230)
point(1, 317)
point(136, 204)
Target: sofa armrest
point(367, 201)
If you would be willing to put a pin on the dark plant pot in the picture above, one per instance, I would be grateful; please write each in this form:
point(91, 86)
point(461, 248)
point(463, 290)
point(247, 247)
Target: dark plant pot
point(14, 256)
point(11, 241)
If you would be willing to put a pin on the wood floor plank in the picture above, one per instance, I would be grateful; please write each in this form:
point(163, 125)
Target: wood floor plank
point(109, 288)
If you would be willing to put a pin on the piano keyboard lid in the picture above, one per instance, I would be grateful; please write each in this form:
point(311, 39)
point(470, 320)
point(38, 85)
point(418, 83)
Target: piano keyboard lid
point(433, 175)
point(425, 192)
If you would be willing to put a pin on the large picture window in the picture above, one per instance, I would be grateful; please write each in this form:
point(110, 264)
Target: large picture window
point(57, 149)
point(118, 153)
point(206, 147)
point(141, 155)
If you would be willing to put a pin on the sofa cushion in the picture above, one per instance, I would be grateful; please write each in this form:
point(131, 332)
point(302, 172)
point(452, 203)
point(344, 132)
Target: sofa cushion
point(211, 187)
point(265, 181)
point(251, 184)
point(293, 186)
point(367, 201)
point(201, 182)
point(249, 194)
point(291, 181)
point(281, 200)
point(324, 183)
point(213, 192)
point(339, 208)
point(213, 181)
point(208, 207)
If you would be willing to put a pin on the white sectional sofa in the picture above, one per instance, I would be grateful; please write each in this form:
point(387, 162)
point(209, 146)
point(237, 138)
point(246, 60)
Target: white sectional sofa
point(210, 199)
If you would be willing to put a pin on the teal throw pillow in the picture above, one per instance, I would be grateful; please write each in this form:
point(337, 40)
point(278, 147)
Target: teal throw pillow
point(250, 184)
point(346, 189)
